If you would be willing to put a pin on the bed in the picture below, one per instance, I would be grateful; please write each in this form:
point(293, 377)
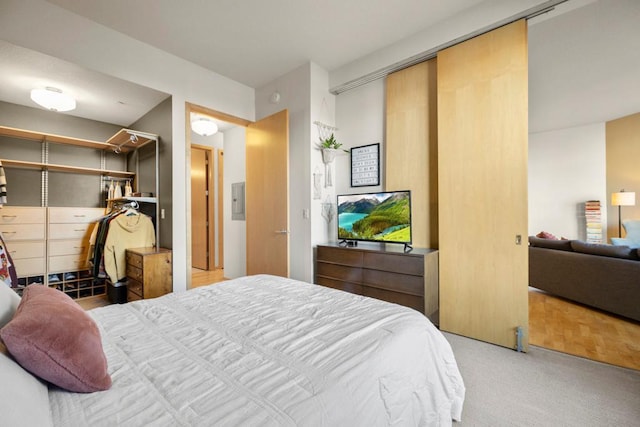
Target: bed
point(259, 351)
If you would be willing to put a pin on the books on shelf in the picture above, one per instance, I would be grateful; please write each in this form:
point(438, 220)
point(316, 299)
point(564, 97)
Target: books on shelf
point(593, 221)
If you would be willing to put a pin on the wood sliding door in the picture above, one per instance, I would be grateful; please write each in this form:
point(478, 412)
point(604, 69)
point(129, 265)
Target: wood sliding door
point(482, 178)
point(411, 146)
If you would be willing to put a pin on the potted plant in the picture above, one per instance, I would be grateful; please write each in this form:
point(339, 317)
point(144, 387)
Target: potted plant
point(329, 147)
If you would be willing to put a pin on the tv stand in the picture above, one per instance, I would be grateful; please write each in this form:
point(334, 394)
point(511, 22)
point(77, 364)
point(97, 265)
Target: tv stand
point(383, 271)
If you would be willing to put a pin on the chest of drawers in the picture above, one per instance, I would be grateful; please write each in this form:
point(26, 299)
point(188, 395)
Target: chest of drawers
point(148, 273)
point(382, 272)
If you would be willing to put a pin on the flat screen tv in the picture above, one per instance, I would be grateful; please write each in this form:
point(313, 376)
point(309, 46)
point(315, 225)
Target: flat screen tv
point(376, 217)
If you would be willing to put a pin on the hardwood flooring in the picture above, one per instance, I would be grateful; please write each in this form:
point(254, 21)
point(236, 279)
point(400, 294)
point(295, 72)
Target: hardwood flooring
point(198, 278)
point(572, 328)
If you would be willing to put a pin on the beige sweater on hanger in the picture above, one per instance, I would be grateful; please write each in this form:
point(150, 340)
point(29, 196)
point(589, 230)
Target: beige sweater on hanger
point(126, 231)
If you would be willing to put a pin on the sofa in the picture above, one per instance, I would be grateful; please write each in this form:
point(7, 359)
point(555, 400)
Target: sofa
point(606, 277)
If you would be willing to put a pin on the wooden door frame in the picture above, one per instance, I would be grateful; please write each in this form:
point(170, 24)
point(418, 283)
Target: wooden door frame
point(220, 227)
point(211, 229)
point(194, 108)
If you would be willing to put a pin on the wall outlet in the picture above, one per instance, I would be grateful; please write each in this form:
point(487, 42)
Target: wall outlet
point(306, 214)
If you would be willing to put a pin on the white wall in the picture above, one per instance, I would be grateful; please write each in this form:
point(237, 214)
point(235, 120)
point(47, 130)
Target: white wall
point(294, 89)
point(480, 16)
point(360, 116)
point(235, 231)
point(44, 27)
point(566, 168)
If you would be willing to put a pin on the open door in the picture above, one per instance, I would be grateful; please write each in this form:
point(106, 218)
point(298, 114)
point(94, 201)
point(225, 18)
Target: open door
point(199, 208)
point(482, 194)
point(267, 195)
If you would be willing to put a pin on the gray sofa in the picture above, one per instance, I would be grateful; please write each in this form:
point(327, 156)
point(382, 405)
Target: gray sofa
point(606, 277)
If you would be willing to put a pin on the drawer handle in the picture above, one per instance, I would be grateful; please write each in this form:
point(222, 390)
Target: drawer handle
point(10, 232)
point(79, 216)
point(9, 216)
point(79, 229)
point(78, 247)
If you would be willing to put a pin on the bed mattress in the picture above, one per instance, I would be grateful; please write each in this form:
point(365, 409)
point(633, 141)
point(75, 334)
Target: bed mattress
point(267, 351)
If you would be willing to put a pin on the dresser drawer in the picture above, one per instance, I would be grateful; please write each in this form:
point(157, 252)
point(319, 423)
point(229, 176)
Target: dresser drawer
point(70, 231)
point(23, 232)
point(134, 286)
point(29, 266)
point(134, 260)
point(68, 247)
point(132, 296)
point(134, 273)
point(22, 215)
point(395, 282)
point(23, 250)
point(411, 301)
point(339, 256)
point(67, 262)
point(405, 264)
point(354, 288)
point(74, 215)
point(340, 272)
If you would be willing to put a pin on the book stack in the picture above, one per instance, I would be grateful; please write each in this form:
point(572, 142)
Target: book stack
point(594, 222)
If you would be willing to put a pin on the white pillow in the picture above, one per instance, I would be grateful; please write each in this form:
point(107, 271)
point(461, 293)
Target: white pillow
point(24, 399)
point(9, 301)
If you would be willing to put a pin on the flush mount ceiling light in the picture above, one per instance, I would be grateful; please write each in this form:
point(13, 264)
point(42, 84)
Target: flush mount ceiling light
point(53, 99)
point(204, 126)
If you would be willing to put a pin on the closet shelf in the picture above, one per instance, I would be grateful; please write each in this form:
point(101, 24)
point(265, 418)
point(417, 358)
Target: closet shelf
point(134, 199)
point(65, 168)
point(59, 139)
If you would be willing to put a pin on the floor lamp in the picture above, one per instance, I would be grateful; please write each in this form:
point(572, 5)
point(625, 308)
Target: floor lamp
point(623, 198)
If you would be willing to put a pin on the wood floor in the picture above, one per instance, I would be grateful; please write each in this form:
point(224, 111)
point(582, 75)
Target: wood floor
point(564, 326)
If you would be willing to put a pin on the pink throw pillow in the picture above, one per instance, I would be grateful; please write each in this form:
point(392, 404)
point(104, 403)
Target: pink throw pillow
point(546, 235)
point(51, 336)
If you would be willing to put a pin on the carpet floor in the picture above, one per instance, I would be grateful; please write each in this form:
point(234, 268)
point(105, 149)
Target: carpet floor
point(542, 388)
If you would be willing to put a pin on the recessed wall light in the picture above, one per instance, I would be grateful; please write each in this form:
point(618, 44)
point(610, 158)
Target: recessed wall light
point(53, 99)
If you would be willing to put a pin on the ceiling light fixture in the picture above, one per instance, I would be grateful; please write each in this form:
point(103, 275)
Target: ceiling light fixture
point(204, 126)
point(53, 99)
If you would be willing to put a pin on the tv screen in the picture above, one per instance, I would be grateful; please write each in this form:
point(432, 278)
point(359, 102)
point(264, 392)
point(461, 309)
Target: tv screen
point(379, 217)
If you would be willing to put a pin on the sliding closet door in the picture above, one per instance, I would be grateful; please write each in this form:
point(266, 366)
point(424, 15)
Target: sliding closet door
point(482, 172)
point(411, 146)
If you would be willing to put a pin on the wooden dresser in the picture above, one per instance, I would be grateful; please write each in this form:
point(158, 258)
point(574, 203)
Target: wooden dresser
point(148, 273)
point(24, 231)
point(382, 271)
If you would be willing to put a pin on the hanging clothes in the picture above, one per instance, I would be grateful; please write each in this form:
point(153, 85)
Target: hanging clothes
point(3, 186)
point(7, 267)
point(126, 231)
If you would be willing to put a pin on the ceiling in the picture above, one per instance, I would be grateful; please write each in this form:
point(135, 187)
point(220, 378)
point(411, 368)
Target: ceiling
point(579, 72)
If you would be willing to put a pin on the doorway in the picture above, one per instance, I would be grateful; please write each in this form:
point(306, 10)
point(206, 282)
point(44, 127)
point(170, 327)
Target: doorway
point(203, 250)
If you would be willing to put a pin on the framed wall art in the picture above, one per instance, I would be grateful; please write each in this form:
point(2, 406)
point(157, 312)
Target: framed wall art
point(365, 165)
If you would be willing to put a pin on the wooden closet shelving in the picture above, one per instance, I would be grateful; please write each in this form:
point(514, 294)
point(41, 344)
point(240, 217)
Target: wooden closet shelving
point(64, 168)
point(122, 141)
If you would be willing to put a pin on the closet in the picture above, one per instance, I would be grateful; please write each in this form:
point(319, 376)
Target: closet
point(57, 190)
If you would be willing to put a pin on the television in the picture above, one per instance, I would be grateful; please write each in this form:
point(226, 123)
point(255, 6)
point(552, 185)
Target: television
point(375, 217)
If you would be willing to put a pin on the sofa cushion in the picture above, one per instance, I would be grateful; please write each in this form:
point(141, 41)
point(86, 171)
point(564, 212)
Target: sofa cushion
point(546, 235)
point(624, 252)
point(632, 231)
point(563, 245)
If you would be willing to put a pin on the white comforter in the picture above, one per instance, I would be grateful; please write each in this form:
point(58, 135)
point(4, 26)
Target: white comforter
point(267, 351)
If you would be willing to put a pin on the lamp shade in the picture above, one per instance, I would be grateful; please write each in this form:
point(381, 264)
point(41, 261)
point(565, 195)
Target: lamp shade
point(53, 99)
point(204, 126)
point(624, 198)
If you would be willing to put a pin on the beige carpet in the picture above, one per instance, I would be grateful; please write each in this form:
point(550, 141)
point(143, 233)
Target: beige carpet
point(543, 388)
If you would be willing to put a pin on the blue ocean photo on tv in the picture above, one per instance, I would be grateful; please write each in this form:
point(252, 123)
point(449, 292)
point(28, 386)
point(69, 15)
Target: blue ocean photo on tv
point(380, 217)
